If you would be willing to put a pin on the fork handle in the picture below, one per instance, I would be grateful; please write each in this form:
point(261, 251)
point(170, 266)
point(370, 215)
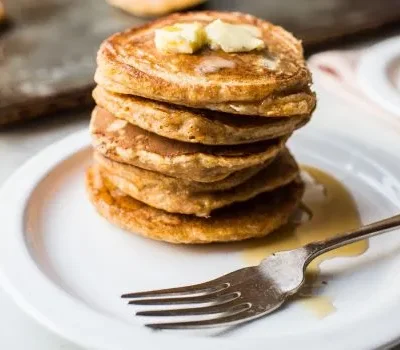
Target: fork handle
point(319, 247)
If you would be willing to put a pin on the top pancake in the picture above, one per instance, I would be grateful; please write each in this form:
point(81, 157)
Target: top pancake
point(131, 60)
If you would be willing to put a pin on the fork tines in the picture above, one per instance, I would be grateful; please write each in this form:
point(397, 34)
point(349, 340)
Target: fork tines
point(221, 299)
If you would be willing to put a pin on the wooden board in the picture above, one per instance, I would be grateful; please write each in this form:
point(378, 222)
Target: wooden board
point(47, 53)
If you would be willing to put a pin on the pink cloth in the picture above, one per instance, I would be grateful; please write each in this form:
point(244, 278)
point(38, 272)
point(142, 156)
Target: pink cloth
point(337, 72)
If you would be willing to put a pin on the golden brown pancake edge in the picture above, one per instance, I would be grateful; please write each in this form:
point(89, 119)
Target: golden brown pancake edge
point(254, 218)
point(123, 142)
point(194, 125)
point(158, 193)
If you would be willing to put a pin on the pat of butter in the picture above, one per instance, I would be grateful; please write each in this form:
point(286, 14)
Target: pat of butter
point(233, 37)
point(180, 38)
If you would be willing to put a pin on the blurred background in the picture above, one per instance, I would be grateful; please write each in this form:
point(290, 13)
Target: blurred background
point(48, 47)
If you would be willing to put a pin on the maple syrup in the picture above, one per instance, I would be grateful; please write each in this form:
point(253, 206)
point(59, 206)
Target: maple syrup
point(328, 209)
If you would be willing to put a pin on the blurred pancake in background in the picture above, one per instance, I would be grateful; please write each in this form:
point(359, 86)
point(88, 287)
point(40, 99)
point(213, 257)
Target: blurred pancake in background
point(149, 8)
point(2, 12)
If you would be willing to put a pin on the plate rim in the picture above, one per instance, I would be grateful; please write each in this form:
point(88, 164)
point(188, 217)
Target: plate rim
point(30, 296)
point(371, 68)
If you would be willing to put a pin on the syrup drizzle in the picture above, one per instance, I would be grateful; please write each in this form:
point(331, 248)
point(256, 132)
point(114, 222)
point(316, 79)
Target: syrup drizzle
point(328, 209)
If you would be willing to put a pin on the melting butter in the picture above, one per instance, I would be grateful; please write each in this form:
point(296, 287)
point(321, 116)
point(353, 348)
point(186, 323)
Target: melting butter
point(213, 64)
point(180, 38)
point(330, 209)
point(233, 37)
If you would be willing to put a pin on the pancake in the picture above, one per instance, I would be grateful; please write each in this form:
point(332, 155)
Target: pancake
point(131, 60)
point(254, 218)
point(126, 143)
point(133, 174)
point(147, 8)
point(282, 171)
point(278, 105)
point(193, 125)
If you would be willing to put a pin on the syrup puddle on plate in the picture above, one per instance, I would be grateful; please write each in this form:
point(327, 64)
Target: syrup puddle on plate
point(328, 209)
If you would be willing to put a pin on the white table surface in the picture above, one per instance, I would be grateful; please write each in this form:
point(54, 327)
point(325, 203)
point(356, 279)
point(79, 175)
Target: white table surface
point(17, 330)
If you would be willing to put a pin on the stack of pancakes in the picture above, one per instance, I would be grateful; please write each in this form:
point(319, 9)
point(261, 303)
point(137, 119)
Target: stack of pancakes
point(191, 148)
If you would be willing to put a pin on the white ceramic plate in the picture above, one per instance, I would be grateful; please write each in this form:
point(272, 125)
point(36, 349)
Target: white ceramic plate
point(66, 266)
point(379, 74)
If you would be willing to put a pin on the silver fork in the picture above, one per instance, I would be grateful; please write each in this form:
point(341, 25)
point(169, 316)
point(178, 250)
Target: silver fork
point(251, 292)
